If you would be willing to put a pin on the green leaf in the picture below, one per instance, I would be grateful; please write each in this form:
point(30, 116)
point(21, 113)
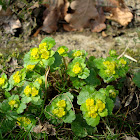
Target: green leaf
point(35, 99)
point(77, 83)
point(70, 116)
point(85, 93)
point(80, 127)
point(92, 78)
point(98, 62)
point(48, 62)
point(50, 42)
point(57, 62)
point(100, 95)
point(26, 99)
point(21, 108)
point(93, 121)
point(4, 106)
point(104, 113)
point(28, 61)
point(109, 105)
point(85, 74)
point(90, 62)
point(7, 94)
point(136, 79)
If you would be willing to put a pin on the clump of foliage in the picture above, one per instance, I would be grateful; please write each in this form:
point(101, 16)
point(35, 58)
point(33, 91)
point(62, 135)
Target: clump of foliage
point(72, 76)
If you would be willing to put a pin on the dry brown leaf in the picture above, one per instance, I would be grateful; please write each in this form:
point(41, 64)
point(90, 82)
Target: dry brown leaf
point(119, 12)
point(98, 25)
point(8, 21)
point(84, 11)
point(85, 14)
point(47, 128)
point(53, 14)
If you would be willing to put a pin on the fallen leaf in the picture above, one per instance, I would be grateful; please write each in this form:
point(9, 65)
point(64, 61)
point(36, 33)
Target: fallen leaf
point(119, 12)
point(104, 34)
point(46, 127)
point(85, 14)
point(8, 21)
point(53, 14)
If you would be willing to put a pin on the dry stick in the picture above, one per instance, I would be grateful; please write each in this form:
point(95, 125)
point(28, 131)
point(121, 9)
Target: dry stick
point(137, 104)
point(46, 76)
point(123, 52)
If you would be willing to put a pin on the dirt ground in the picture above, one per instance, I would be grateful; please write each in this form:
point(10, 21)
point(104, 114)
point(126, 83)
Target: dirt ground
point(94, 43)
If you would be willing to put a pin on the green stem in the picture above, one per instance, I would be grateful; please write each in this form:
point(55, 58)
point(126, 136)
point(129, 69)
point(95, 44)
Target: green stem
point(64, 60)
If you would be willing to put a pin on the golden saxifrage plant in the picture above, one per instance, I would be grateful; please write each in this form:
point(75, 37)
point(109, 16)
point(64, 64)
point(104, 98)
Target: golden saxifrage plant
point(71, 75)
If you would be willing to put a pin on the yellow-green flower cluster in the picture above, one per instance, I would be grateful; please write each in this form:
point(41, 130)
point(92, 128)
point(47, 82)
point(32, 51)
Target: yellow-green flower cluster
point(110, 67)
point(17, 77)
point(39, 81)
point(61, 51)
point(77, 68)
point(41, 52)
point(35, 53)
point(2, 81)
point(13, 103)
point(30, 91)
point(93, 108)
point(122, 62)
point(30, 67)
point(77, 53)
point(23, 121)
point(112, 93)
point(60, 110)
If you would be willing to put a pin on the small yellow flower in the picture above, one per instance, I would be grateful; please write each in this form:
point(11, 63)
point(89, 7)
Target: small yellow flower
point(61, 112)
point(16, 74)
point(42, 46)
point(39, 81)
point(61, 51)
point(16, 77)
point(30, 67)
point(27, 90)
point(35, 53)
point(92, 114)
point(122, 62)
point(76, 68)
point(45, 54)
point(61, 103)
point(2, 81)
point(55, 111)
point(89, 102)
point(100, 105)
point(77, 54)
point(110, 67)
point(106, 63)
point(12, 102)
point(34, 91)
point(24, 121)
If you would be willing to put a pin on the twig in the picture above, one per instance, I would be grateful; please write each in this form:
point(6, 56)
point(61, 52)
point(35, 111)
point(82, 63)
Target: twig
point(129, 57)
point(123, 52)
point(137, 104)
point(46, 76)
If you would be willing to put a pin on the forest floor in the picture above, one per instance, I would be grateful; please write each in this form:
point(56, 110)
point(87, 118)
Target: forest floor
point(96, 44)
